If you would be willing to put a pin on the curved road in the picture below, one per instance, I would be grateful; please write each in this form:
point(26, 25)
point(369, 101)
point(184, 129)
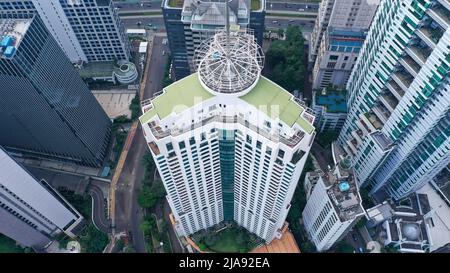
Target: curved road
point(99, 209)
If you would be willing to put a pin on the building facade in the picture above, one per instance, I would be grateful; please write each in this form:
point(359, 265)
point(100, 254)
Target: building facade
point(31, 211)
point(337, 38)
point(45, 107)
point(86, 30)
point(333, 207)
point(352, 15)
point(189, 23)
point(397, 127)
point(229, 145)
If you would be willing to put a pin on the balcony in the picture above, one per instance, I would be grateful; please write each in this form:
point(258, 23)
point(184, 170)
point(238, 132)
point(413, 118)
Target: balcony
point(352, 145)
point(419, 54)
point(441, 15)
point(430, 33)
point(381, 112)
point(389, 101)
point(154, 148)
point(365, 125)
point(403, 79)
point(445, 3)
point(410, 65)
point(358, 135)
point(395, 89)
point(374, 120)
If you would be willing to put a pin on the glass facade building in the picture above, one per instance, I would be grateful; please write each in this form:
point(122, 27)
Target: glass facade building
point(45, 107)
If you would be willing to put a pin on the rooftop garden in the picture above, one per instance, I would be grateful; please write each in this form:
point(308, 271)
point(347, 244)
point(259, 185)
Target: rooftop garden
point(176, 3)
point(255, 4)
point(230, 239)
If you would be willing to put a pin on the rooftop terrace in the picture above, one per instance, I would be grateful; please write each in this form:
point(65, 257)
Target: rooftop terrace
point(335, 102)
point(344, 195)
point(265, 96)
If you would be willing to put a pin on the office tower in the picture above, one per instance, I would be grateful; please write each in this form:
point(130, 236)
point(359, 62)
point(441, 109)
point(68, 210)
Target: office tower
point(330, 109)
point(228, 143)
point(337, 38)
point(31, 211)
point(333, 207)
point(398, 125)
point(86, 30)
point(45, 107)
point(191, 22)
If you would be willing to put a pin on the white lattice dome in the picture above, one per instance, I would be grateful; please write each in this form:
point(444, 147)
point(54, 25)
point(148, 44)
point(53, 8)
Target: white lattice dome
point(229, 70)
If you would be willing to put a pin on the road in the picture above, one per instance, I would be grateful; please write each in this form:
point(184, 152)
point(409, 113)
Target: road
point(80, 184)
point(270, 6)
point(355, 239)
point(128, 213)
point(306, 7)
point(99, 209)
point(271, 23)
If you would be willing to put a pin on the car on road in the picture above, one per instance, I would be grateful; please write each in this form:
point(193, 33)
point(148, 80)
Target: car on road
point(274, 21)
point(301, 9)
point(361, 250)
point(354, 237)
point(139, 23)
point(292, 20)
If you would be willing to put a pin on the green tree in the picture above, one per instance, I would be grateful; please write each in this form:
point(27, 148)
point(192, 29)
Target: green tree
point(135, 107)
point(146, 227)
point(94, 241)
point(147, 198)
point(280, 33)
point(285, 60)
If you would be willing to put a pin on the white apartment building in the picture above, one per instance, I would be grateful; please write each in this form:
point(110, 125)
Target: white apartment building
point(86, 30)
point(31, 211)
point(337, 39)
point(228, 143)
point(398, 124)
point(350, 15)
point(333, 207)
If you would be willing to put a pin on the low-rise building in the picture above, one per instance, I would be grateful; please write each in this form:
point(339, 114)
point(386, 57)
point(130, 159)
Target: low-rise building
point(333, 207)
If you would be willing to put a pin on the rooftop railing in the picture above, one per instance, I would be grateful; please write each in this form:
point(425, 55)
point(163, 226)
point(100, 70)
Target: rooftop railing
point(159, 133)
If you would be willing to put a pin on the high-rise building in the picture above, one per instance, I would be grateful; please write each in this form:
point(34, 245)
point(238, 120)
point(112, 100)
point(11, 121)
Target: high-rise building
point(86, 30)
point(191, 22)
point(333, 207)
point(398, 123)
point(337, 38)
point(31, 211)
point(45, 107)
point(228, 143)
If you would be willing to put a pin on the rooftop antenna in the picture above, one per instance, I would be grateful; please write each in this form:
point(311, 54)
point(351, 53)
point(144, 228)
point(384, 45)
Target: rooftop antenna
point(227, 26)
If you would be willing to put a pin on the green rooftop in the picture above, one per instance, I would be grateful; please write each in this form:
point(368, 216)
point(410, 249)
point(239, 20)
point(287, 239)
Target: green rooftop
point(276, 102)
point(176, 3)
point(265, 96)
point(176, 97)
point(97, 69)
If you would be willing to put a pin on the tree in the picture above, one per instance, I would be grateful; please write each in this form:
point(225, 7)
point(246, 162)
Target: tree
point(285, 62)
point(146, 198)
point(135, 107)
point(146, 227)
point(280, 33)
